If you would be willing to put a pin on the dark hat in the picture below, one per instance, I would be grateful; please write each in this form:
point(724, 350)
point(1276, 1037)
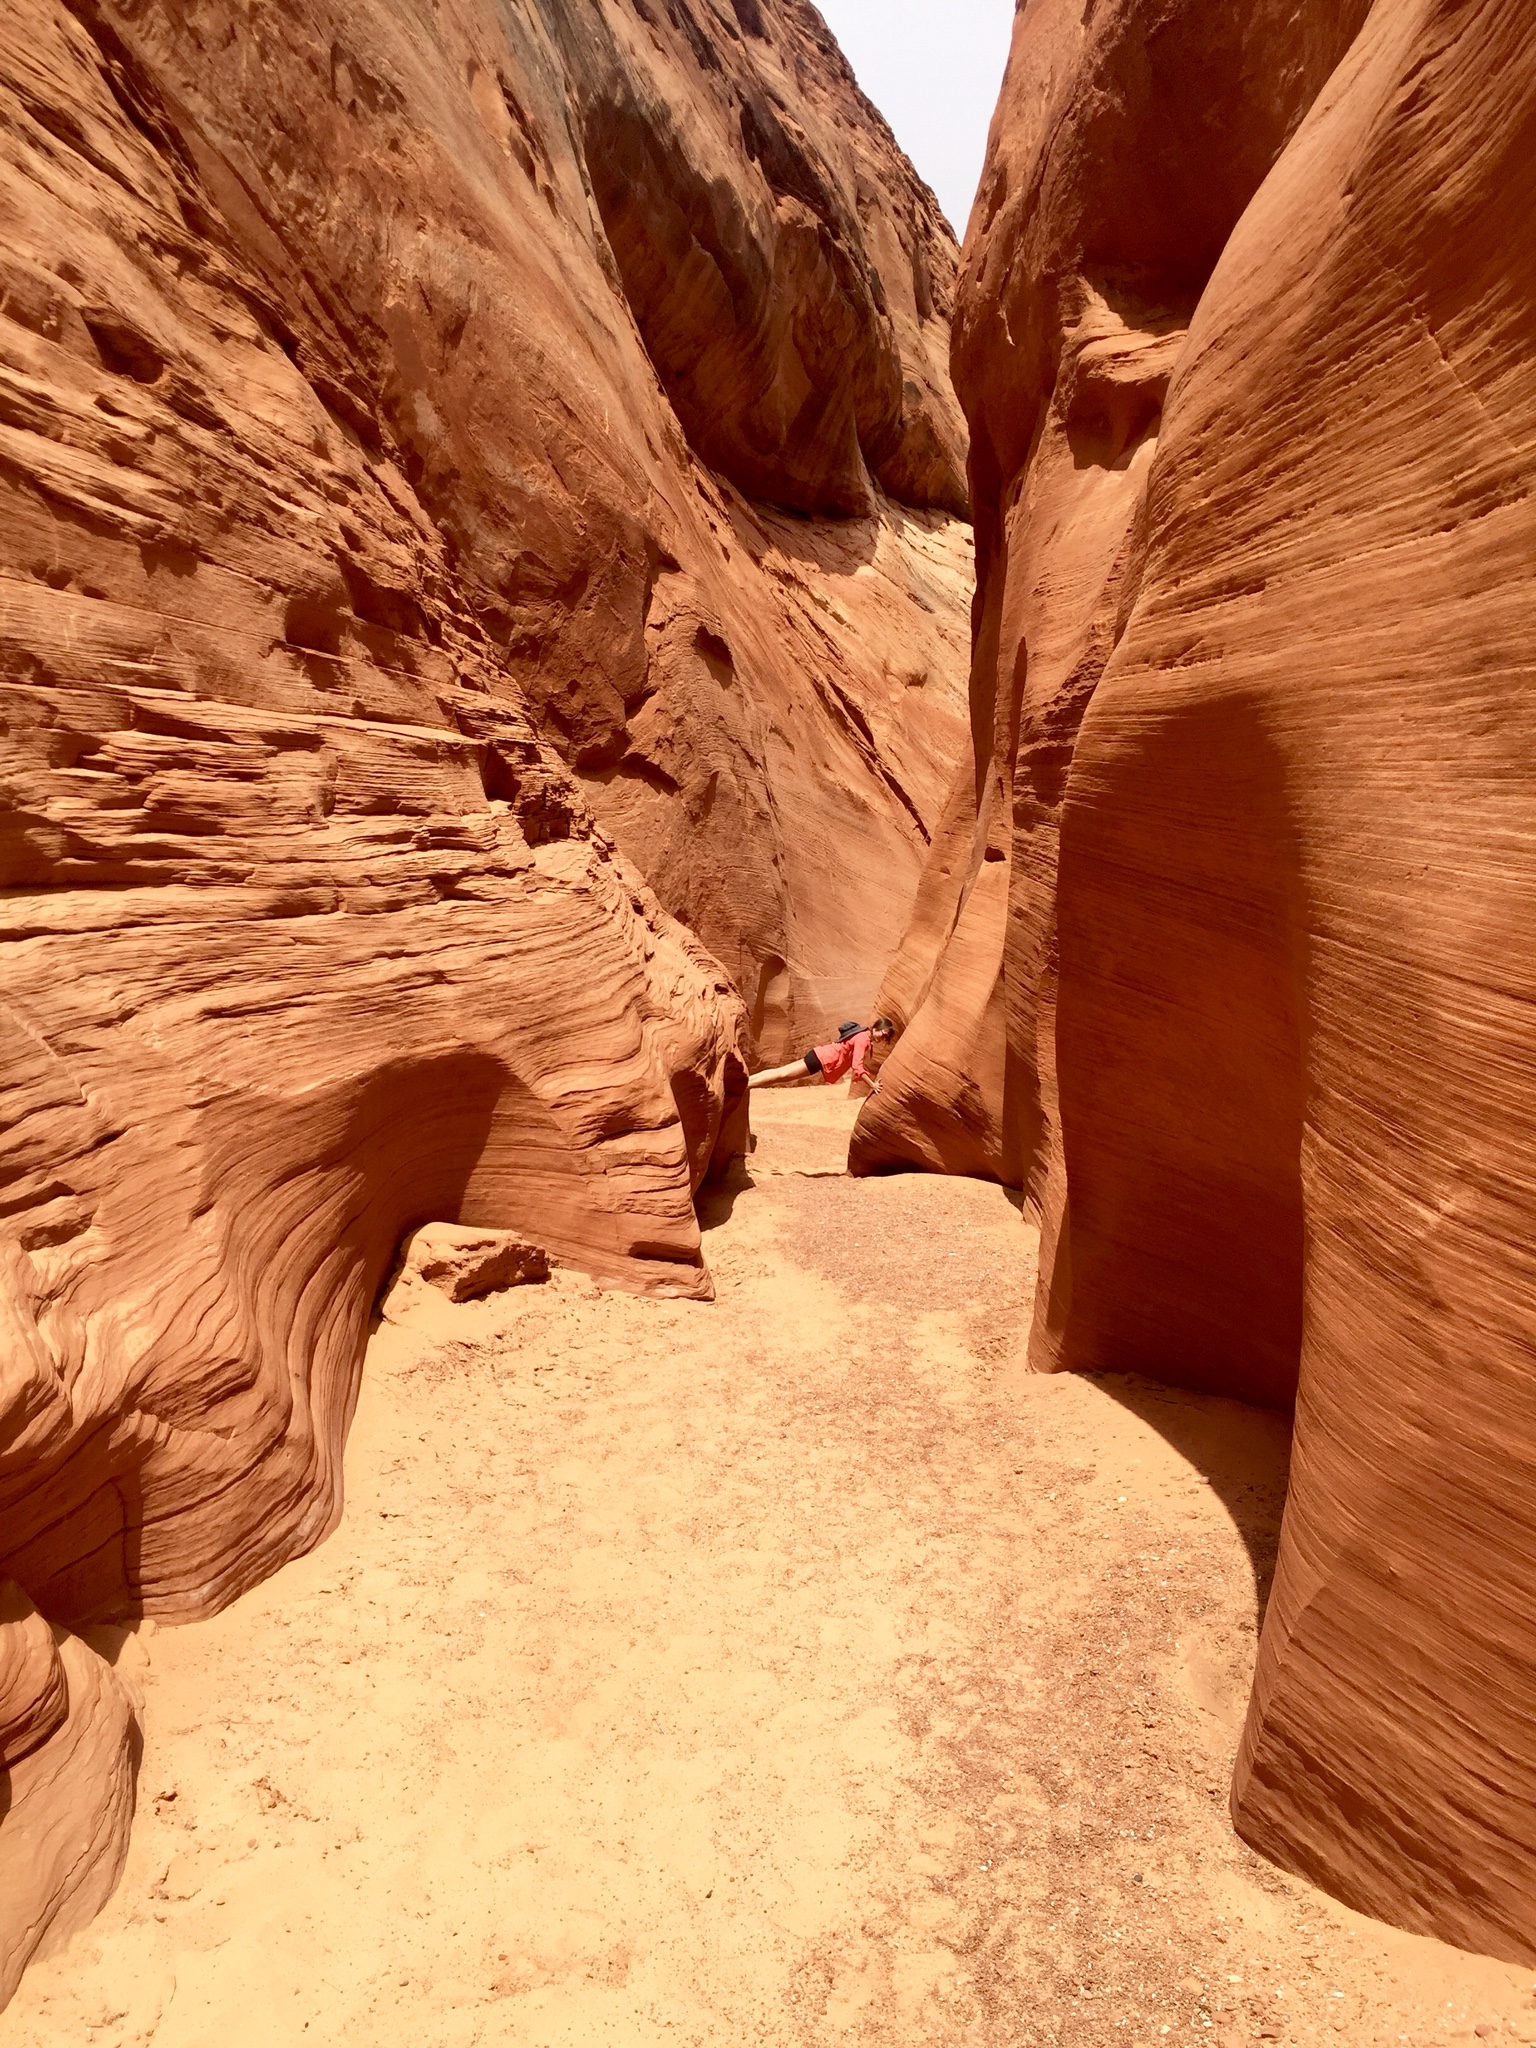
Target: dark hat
point(848, 1031)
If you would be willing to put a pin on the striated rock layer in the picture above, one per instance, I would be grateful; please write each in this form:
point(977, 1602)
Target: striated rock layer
point(1248, 346)
point(777, 751)
point(590, 275)
point(360, 370)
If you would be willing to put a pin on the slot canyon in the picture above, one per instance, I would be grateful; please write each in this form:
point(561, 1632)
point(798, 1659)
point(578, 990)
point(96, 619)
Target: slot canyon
point(537, 580)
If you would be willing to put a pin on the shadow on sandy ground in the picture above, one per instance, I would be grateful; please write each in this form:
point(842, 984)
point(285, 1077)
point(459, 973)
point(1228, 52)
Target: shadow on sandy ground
point(1242, 1451)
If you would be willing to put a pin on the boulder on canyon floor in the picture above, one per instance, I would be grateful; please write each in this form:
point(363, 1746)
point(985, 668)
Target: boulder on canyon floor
point(384, 395)
point(459, 1262)
point(1228, 945)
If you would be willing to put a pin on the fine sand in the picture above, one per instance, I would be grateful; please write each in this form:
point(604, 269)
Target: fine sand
point(791, 1669)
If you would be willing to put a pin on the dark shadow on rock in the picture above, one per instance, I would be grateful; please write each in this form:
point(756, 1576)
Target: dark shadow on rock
point(822, 544)
point(1183, 1092)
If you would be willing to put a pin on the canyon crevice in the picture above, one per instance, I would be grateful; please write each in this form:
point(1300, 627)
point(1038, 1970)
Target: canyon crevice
point(485, 578)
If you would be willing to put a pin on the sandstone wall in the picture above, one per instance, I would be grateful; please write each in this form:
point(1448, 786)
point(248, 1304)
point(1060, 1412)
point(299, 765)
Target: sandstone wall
point(778, 752)
point(351, 553)
point(1247, 342)
point(565, 260)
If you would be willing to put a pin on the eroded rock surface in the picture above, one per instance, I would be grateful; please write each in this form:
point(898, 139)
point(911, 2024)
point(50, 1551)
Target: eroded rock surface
point(351, 552)
point(502, 248)
point(69, 1808)
point(34, 1693)
point(1248, 349)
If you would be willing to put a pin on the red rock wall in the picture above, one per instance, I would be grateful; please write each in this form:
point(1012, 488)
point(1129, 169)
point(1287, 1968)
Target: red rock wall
point(777, 762)
point(1248, 347)
point(564, 263)
point(351, 552)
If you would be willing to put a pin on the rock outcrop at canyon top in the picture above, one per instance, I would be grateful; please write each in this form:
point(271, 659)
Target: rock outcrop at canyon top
point(1228, 946)
point(380, 389)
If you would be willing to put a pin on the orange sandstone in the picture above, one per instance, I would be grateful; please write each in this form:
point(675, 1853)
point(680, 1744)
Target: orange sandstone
point(1248, 348)
point(380, 389)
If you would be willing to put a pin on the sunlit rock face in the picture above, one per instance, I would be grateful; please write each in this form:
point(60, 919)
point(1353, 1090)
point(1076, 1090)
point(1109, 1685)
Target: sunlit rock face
point(390, 647)
point(1227, 944)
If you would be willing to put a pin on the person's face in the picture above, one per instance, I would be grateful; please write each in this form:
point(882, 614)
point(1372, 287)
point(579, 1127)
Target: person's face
point(879, 1050)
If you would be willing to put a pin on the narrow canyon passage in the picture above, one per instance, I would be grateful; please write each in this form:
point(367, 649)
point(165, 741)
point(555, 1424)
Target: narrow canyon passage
point(791, 1669)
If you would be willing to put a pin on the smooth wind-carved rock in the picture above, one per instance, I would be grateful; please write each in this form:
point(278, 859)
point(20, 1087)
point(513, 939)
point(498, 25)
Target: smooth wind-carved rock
point(592, 275)
point(472, 484)
point(1247, 342)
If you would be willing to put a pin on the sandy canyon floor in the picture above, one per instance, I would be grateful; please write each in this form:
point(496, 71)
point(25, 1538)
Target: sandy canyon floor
point(788, 1670)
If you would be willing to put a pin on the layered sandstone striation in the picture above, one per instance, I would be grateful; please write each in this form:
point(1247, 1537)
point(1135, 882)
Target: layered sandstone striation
point(361, 372)
point(69, 1780)
point(776, 753)
point(654, 319)
point(1248, 345)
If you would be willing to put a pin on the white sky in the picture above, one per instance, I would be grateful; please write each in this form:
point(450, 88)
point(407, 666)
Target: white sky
point(933, 68)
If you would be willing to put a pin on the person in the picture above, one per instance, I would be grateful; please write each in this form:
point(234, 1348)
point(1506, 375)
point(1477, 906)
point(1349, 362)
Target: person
point(849, 1053)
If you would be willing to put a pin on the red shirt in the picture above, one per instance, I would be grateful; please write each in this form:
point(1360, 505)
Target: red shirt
point(837, 1059)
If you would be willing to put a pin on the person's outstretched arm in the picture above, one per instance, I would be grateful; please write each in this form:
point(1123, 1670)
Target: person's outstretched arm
point(860, 1070)
point(795, 1071)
